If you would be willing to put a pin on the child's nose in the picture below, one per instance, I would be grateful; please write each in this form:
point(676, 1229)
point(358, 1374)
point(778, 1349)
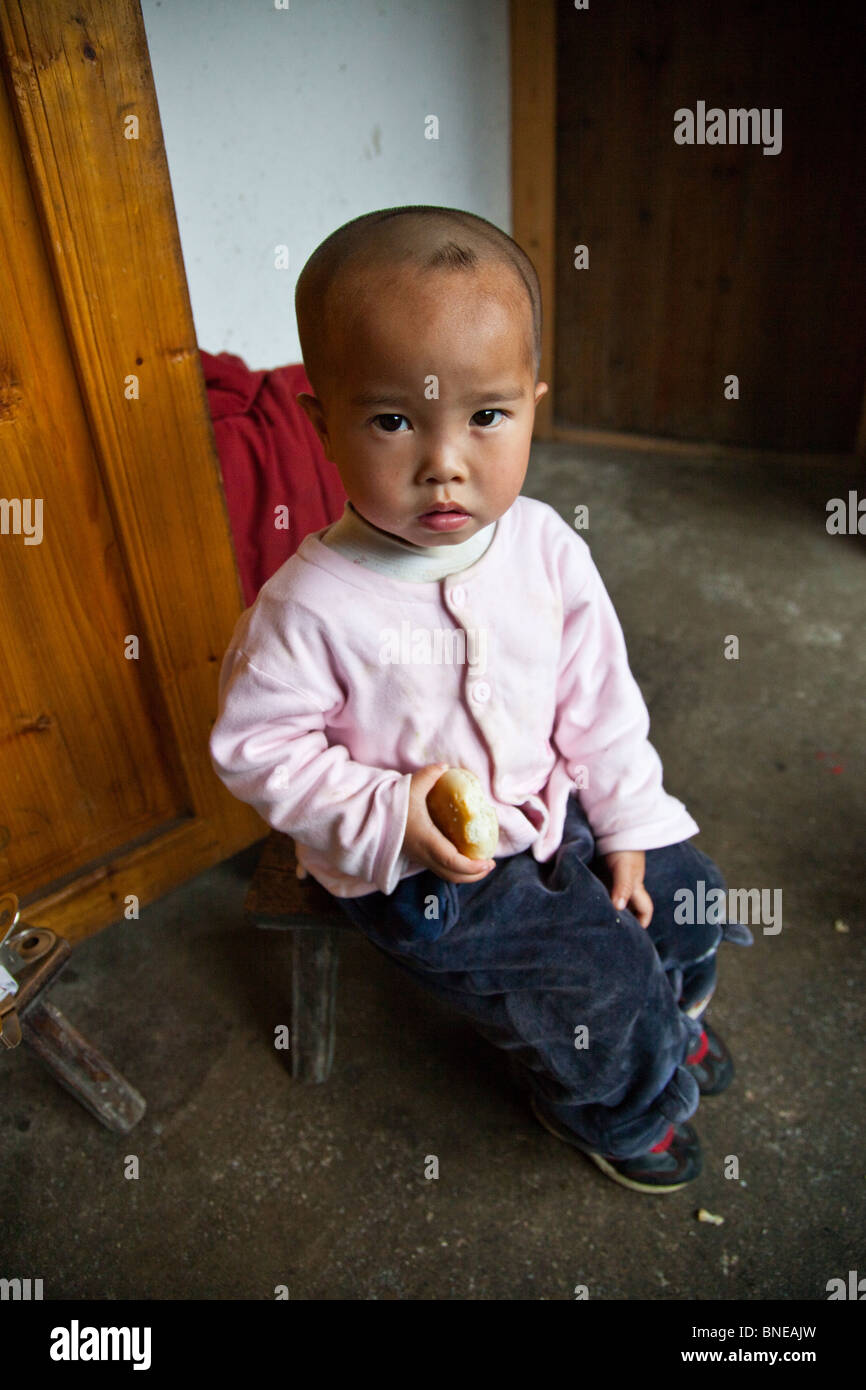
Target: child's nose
point(442, 462)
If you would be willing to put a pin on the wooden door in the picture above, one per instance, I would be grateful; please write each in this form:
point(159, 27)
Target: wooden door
point(711, 260)
point(118, 586)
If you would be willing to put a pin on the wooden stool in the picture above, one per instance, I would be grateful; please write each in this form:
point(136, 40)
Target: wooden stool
point(35, 956)
point(279, 900)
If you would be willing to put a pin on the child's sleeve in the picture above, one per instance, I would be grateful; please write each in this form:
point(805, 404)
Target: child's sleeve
point(602, 723)
point(269, 748)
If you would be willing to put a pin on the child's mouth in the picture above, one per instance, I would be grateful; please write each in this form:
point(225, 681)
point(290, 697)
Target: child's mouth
point(450, 520)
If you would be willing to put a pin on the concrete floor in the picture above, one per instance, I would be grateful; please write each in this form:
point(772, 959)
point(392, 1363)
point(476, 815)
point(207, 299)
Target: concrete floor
point(249, 1180)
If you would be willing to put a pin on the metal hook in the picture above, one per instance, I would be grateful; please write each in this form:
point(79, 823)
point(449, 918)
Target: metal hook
point(9, 914)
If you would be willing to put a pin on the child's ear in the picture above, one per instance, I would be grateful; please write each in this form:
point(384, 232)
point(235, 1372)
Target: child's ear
point(312, 408)
point(541, 390)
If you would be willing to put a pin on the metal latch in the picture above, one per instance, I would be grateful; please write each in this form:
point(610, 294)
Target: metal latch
point(10, 1028)
point(29, 959)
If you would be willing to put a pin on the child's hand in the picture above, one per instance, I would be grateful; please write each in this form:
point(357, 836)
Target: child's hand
point(426, 844)
point(627, 868)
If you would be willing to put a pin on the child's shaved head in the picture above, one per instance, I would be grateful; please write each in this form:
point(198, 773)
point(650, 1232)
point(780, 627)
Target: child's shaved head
point(331, 286)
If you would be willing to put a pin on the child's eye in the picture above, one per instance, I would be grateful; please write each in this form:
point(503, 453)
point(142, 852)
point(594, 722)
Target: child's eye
point(390, 428)
point(485, 423)
point(390, 423)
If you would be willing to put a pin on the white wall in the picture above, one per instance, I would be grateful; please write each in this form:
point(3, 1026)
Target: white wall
point(282, 124)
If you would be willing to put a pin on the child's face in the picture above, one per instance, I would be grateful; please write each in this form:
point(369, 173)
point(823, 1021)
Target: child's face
point(403, 442)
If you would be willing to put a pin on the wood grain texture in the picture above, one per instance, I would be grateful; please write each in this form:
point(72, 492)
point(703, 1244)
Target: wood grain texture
point(315, 957)
point(108, 786)
point(71, 706)
point(533, 167)
point(708, 260)
point(276, 896)
point(81, 1068)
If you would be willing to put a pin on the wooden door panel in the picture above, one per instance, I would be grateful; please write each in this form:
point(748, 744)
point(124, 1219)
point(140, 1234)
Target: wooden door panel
point(711, 260)
point(106, 787)
point(82, 764)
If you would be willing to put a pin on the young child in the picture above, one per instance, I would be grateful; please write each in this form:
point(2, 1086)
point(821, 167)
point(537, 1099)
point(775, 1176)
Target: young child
point(445, 620)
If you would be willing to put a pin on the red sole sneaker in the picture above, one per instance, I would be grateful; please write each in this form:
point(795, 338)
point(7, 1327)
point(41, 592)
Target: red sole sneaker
point(711, 1063)
point(672, 1164)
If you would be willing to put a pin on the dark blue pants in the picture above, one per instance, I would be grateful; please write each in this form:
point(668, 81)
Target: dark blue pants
point(591, 1004)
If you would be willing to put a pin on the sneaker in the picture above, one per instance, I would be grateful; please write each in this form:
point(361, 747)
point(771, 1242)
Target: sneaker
point(668, 1166)
point(711, 1063)
point(695, 1010)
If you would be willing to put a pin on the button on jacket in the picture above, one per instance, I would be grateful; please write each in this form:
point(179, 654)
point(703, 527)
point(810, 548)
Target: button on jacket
point(340, 682)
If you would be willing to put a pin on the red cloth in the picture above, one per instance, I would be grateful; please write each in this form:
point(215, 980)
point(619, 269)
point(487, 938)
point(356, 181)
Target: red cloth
point(270, 457)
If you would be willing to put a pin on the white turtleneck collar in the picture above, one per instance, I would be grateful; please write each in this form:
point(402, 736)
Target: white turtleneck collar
point(363, 543)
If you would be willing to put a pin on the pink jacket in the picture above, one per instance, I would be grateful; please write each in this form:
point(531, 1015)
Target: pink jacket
point(340, 682)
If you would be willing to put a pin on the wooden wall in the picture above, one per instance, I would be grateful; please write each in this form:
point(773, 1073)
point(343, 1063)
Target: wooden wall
point(707, 260)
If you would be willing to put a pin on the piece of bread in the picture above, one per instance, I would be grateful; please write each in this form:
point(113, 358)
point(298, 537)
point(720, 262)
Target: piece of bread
point(459, 808)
